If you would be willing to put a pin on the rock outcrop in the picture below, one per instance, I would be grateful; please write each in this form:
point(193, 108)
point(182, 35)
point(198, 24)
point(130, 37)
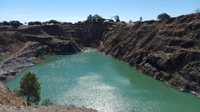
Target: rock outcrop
point(166, 50)
point(21, 47)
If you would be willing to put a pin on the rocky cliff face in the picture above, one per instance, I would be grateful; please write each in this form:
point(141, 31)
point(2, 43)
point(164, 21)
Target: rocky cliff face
point(19, 48)
point(166, 50)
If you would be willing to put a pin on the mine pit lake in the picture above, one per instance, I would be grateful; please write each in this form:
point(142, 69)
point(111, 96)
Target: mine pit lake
point(94, 80)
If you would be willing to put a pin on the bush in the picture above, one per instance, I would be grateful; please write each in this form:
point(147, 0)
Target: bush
point(46, 102)
point(163, 16)
point(95, 18)
point(116, 17)
point(89, 18)
point(197, 10)
point(41, 59)
point(35, 23)
point(140, 19)
point(5, 23)
point(53, 22)
point(17, 92)
point(15, 24)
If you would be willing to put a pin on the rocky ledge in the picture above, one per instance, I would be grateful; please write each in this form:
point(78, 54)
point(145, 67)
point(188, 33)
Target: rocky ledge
point(166, 50)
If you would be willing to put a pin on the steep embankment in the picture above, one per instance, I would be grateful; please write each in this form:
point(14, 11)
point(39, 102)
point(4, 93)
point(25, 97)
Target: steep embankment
point(8, 98)
point(10, 102)
point(166, 50)
point(19, 48)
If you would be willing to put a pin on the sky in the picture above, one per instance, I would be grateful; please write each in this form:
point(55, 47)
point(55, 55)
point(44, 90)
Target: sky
point(78, 10)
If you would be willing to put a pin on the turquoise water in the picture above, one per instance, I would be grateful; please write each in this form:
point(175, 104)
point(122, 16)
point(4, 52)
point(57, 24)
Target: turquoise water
point(94, 80)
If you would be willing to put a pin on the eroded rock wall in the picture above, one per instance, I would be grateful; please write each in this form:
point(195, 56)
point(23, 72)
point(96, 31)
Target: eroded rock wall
point(166, 50)
point(20, 47)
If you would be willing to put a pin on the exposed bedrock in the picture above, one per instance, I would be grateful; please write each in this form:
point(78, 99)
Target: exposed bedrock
point(19, 49)
point(166, 50)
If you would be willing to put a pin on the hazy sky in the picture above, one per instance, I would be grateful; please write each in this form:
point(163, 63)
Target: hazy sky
point(78, 10)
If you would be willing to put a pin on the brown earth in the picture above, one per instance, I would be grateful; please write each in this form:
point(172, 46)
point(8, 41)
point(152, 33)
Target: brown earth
point(166, 50)
point(10, 102)
point(8, 98)
point(71, 108)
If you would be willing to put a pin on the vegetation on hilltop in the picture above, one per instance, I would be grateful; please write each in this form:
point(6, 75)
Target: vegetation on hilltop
point(90, 18)
point(163, 16)
point(116, 17)
point(13, 23)
point(35, 23)
point(94, 18)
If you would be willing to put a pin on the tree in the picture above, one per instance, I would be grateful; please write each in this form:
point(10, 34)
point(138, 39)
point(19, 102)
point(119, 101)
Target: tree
point(163, 16)
point(5, 23)
point(140, 19)
point(53, 22)
point(197, 10)
point(116, 17)
point(46, 102)
point(15, 24)
point(97, 18)
point(35, 23)
point(130, 21)
point(89, 18)
point(30, 88)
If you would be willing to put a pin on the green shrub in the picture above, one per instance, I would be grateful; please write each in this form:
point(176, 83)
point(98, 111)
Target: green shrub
point(163, 16)
point(17, 92)
point(116, 17)
point(94, 18)
point(46, 102)
point(38, 60)
point(41, 59)
point(15, 24)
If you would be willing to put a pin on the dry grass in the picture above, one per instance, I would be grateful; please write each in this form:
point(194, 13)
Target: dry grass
point(41, 59)
point(11, 99)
